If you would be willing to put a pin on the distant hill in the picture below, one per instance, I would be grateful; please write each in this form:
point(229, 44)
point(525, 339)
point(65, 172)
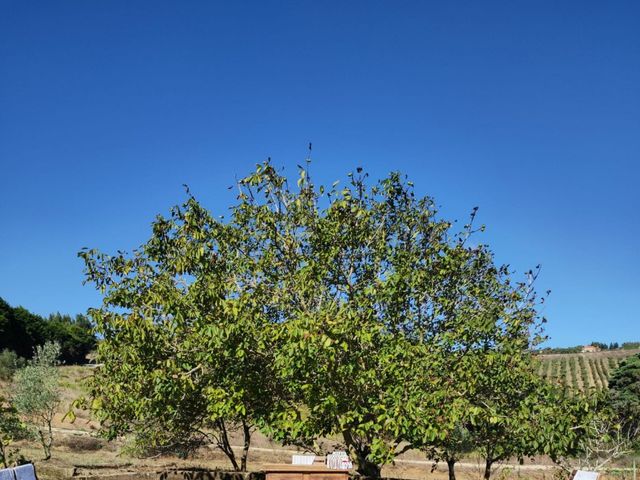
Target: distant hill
point(582, 371)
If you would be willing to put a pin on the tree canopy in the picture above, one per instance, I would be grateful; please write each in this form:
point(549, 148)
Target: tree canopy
point(354, 311)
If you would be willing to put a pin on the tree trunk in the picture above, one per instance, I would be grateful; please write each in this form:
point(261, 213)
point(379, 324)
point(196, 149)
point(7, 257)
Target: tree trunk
point(49, 436)
point(487, 469)
point(364, 466)
point(3, 454)
point(46, 439)
point(225, 446)
point(246, 432)
point(451, 465)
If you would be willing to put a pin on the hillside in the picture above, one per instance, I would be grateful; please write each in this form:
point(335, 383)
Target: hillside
point(582, 371)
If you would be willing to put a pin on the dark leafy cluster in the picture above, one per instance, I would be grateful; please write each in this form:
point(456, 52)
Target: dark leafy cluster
point(21, 331)
point(624, 388)
point(11, 429)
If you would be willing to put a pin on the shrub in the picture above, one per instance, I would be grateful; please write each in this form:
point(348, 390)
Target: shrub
point(10, 429)
point(78, 443)
point(9, 363)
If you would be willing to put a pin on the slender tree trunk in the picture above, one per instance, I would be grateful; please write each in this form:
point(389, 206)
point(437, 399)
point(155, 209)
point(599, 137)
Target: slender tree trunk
point(451, 465)
point(49, 436)
point(45, 441)
point(3, 454)
point(246, 433)
point(225, 445)
point(487, 469)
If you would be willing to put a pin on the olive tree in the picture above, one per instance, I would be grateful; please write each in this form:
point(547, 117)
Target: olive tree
point(37, 392)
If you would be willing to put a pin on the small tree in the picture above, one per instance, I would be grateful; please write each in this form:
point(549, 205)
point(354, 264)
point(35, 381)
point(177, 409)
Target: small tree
point(599, 436)
point(9, 363)
point(37, 392)
point(10, 429)
point(519, 415)
point(450, 449)
point(605, 441)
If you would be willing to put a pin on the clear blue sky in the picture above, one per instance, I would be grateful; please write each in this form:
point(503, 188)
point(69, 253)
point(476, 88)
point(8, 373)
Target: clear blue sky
point(529, 110)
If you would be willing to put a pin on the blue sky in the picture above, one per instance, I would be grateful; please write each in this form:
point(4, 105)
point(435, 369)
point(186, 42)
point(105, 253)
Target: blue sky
point(529, 110)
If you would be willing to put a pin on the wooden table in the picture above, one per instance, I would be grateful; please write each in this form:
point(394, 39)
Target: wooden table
point(304, 472)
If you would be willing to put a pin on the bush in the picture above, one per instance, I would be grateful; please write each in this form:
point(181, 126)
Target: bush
point(11, 429)
point(78, 443)
point(9, 363)
point(576, 349)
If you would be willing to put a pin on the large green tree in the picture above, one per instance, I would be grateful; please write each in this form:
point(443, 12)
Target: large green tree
point(381, 302)
point(311, 312)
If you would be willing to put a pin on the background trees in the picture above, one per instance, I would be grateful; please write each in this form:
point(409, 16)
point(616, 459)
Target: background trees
point(311, 312)
point(21, 331)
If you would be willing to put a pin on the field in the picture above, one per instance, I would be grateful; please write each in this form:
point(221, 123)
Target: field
point(582, 371)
